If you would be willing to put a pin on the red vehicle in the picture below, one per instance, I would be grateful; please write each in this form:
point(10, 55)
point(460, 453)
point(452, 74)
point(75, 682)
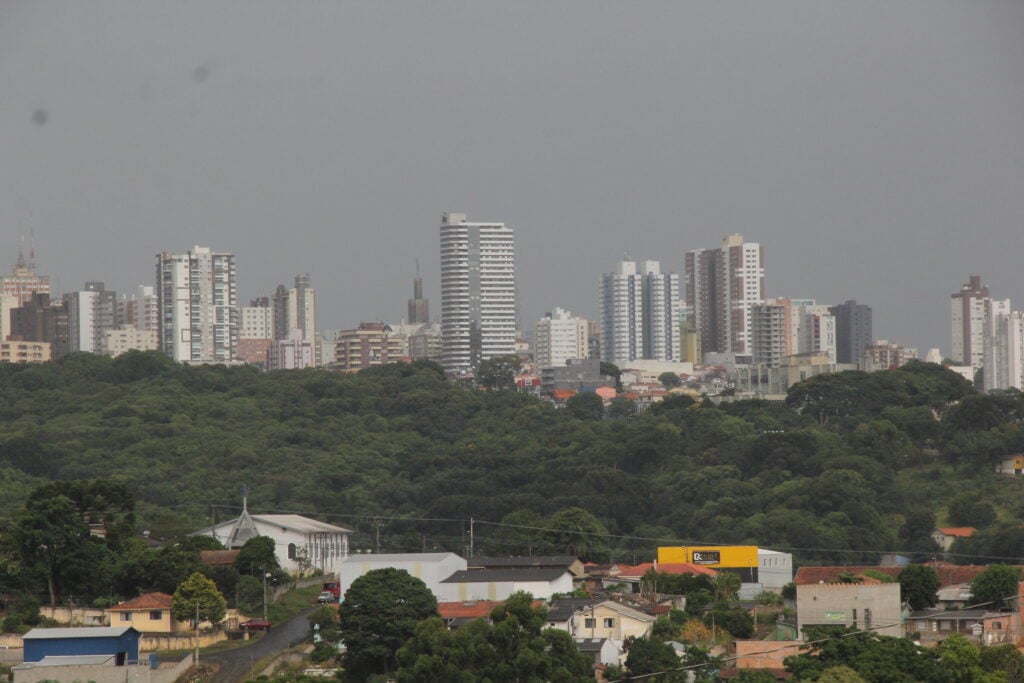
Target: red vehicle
point(334, 588)
point(255, 625)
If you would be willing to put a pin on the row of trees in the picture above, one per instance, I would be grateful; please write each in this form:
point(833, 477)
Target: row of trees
point(75, 542)
point(852, 465)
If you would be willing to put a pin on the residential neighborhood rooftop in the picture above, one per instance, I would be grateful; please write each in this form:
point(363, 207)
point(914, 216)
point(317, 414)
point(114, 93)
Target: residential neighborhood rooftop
point(957, 531)
point(146, 601)
point(949, 574)
point(489, 575)
point(78, 632)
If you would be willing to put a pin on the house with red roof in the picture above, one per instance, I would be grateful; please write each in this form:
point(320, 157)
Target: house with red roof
point(945, 536)
point(148, 613)
point(457, 614)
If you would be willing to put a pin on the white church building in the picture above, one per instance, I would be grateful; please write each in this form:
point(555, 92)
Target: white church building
point(301, 544)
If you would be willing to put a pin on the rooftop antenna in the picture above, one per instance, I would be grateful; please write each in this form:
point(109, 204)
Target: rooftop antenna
point(32, 248)
point(20, 263)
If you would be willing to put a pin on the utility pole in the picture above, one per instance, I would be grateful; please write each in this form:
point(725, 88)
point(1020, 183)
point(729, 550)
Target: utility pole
point(265, 575)
point(197, 634)
point(470, 538)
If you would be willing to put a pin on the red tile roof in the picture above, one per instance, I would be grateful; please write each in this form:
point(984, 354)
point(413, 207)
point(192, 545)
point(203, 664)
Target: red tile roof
point(686, 568)
point(664, 568)
point(480, 609)
point(560, 394)
point(958, 531)
point(146, 601)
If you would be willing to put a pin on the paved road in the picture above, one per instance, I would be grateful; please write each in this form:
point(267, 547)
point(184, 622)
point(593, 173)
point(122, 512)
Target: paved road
point(236, 665)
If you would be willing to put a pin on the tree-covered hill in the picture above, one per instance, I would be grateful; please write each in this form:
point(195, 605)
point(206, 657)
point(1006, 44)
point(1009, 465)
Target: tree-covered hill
point(851, 465)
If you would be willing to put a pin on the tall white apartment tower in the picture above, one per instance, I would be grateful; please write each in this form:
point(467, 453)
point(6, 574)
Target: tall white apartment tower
point(84, 331)
point(302, 313)
point(722, 286)
point(661, 312)
point(622, 307)
point(1003, 344)
point(559, 336)
point(197, 295)
point(967, 314)
point(639, 313)
point(817, 332)
point(478, 292)
point(302, 307)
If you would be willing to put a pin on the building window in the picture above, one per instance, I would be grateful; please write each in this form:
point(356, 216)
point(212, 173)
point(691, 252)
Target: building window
point(156, 615)
point(126, 616)
point(609, 622)
point(589, 622)
point(291, 551)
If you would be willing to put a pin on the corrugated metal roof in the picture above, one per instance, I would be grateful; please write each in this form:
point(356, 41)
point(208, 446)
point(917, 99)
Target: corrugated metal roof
point(300, 523)
point(78, 632)
point(505, 575)
point(547, 561)
point(399, 557)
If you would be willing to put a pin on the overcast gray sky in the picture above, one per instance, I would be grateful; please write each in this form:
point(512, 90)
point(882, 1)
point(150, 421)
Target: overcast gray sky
point(876, 149)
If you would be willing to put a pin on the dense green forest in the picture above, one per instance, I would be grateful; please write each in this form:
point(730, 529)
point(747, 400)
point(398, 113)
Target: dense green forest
point(851, 465)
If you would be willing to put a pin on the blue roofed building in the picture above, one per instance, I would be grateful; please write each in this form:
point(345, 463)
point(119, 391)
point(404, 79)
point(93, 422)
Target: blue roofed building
point(119, 642)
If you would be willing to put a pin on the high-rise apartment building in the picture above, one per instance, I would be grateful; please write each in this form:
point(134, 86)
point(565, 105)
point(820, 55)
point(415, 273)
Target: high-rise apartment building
point(559, 336)
point(23, 281)
point(722, 285)
point(197, 295)
point(639, 313)
point(294, 353)
point(368, 345)
point(690, 350)
point(295, 309)
point(883, 354)
point(91, 313)
point(8, 302)
point(139, 310)
point(280, 300)
point(128, 338)
point(302, 307)
point(42, 320)
point(147, 309)
point(622, 308)
point(661, 312)
point(425, 342)
point(257, 320)
point(1003, 344)
point(967, 314)
point(478, 292)
point(853, 330)
point(816, 329)
point(419, 308)
point(85, 333)
point(772, 331)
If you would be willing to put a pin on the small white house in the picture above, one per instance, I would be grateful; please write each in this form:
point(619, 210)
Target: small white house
point(499, 584)
point(300, 543)
point(431, 568)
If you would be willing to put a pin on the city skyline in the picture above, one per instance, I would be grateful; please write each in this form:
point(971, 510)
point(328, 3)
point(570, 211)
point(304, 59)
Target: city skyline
point(874, 150)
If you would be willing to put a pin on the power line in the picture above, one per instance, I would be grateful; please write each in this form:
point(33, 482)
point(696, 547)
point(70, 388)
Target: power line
point(369, 518)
